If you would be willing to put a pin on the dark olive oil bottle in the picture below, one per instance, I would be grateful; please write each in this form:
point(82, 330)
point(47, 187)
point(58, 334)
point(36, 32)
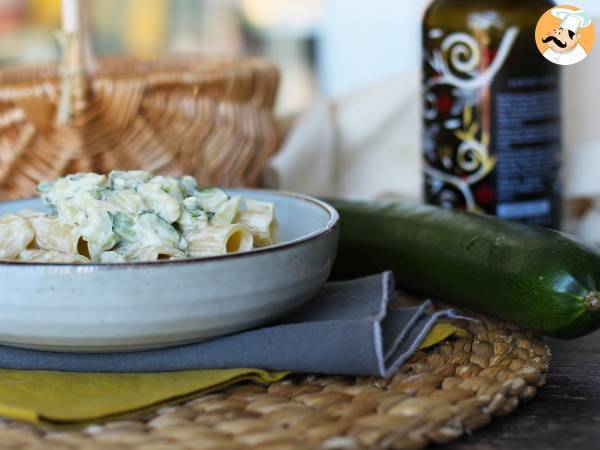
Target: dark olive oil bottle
point(491, 111)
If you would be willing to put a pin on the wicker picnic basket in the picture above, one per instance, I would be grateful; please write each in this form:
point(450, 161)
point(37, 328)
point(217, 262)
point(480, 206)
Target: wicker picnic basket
point(211, 118)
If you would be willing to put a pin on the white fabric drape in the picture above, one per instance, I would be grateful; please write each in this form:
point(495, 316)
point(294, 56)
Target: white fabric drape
point(367, 145)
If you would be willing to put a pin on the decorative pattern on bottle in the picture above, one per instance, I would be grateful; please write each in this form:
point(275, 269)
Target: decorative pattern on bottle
point(456, 133)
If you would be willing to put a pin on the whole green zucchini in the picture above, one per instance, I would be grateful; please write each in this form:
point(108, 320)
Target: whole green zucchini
point(539, 279)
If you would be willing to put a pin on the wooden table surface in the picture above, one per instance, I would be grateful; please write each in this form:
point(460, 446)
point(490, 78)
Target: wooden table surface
point(564, 415)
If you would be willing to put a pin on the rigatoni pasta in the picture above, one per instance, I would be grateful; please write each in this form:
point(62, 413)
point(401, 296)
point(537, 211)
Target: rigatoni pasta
point(39, 255)
point(15, 236)
point(219, 239)
point(259, 217)
point(134, 216)
point(53, 234)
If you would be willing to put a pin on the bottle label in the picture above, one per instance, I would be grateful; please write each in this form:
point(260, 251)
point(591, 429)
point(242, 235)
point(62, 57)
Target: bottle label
point(527, 144)
point(491, 134)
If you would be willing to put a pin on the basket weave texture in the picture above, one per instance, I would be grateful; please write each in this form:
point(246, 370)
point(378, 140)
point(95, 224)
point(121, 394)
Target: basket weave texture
point(211, 118)
point(454, 387)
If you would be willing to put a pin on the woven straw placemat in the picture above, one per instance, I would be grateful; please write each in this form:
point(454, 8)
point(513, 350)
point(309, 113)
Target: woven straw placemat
point(453, 387)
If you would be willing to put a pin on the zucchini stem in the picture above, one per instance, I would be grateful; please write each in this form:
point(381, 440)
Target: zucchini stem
point(592, 301)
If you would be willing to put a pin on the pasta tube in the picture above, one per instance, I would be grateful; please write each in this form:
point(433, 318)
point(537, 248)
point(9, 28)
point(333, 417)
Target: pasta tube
point(41, 255)
point(53, 234)
point(227, 211)
point(15, 236)
point(219, 240)
point(157, 253)
point(259, 217)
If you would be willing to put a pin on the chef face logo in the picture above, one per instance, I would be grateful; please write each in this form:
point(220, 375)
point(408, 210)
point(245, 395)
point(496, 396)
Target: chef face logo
point(561, 40)
point(565, 35)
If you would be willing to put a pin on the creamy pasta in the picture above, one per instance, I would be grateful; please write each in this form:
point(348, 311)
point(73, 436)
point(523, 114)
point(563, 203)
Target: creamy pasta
point(133, 216)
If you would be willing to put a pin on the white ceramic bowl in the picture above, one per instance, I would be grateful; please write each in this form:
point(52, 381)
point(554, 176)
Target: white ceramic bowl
point(118, 307)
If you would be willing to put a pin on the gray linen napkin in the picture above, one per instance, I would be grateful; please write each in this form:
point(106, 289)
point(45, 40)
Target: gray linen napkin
point(347, 329)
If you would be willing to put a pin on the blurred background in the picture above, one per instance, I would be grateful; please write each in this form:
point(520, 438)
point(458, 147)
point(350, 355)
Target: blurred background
point(324, 47)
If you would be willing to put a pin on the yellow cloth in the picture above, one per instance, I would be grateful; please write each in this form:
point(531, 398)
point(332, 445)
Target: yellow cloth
point(68, 398)
point(440, 331)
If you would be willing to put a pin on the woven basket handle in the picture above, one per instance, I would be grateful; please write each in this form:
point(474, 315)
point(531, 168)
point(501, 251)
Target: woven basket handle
point(78, 60)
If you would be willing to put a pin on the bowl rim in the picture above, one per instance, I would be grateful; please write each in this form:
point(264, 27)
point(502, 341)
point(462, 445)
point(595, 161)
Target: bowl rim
point(330, 227)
